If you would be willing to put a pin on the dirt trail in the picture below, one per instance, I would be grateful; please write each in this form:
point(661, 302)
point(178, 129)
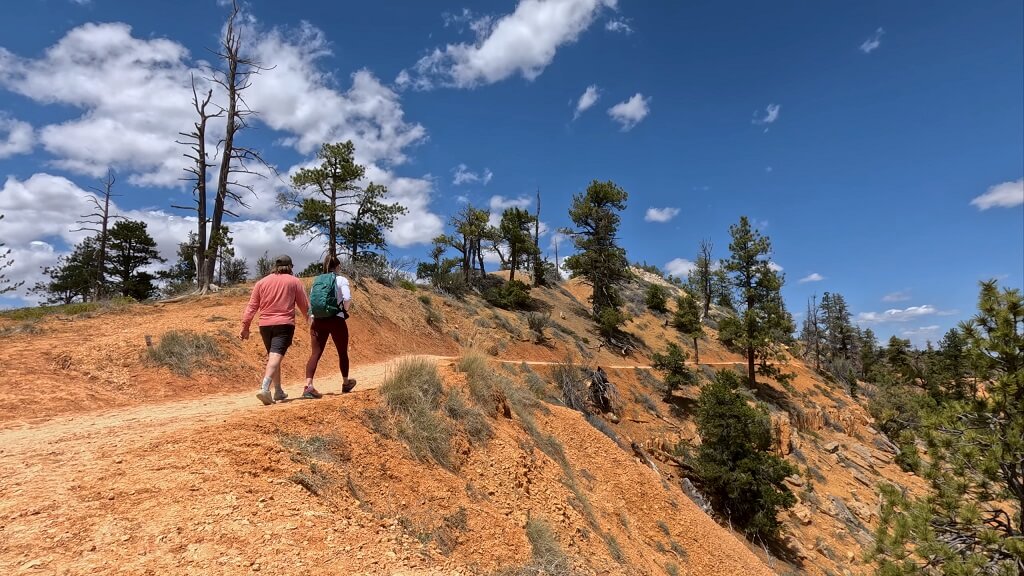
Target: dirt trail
point(110, 426)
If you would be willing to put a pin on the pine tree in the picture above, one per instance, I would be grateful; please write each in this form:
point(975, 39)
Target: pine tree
point(514, 232)
point(73, 277)
point(763, 315)
point(687, 321)
point(363, 234)
point(599, 260)
point(673, 364)
point(741, 476)
point(322, 194)
point(131, 249)
point(972, 523)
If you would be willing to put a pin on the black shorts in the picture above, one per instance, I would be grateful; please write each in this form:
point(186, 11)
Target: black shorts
point(278, 338)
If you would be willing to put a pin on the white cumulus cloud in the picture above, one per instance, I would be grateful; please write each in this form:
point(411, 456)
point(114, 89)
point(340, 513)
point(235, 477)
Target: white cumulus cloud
point(1005, 195)
point(133, 93)
point(901, 315)
point(661, 214)
point(524, 42)
point(463, 175)
point(631, 112)
point(812, 277)
point(587, 99)
point(873, 42)
point(679, 267)
point(16, 136)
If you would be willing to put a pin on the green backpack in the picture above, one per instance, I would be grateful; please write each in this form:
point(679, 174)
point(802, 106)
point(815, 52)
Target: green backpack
point(323, 298)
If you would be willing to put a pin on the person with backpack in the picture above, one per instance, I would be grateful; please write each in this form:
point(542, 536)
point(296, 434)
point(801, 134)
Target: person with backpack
point(275, 298)
point(329, 301)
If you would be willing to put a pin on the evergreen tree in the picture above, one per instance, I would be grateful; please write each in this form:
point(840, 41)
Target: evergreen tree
point(952, 365)
point(721, 289)
point(741, 476)
point(322, 194)
point(131, 249)
point(763, 315)
point(72, 279)
point(363, 234)
point(236, 271)
point(184, 268)
point(868, 354)
point(673, 364)
point(656, 298)
point(514, 232)
point(687, 321)
point(471, 230)
point(599, 260)
point(972, 523)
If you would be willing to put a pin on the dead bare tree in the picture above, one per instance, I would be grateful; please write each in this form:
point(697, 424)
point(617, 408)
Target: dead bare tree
point(538, 262)
point(704, 275)
point(196, 141)
point(99, 222)
point(235, 160)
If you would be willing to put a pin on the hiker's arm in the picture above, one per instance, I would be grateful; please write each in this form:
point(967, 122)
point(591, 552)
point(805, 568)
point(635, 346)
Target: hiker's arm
point(250, 312)
point(301, 300)
point(346, 294)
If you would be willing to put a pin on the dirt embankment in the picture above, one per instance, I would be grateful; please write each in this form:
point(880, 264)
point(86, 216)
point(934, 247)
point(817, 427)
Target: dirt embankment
point(114, 464)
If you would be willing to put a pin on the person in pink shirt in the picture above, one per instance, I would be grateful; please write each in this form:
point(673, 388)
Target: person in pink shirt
point(274, 298)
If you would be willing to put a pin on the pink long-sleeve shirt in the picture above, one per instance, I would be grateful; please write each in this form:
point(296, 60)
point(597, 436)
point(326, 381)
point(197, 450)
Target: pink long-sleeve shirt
point(275, 298)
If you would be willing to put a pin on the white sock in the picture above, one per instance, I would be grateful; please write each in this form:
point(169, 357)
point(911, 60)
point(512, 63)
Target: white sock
point(266, 384)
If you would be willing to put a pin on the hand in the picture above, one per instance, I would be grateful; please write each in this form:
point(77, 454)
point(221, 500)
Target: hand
point(244, 334)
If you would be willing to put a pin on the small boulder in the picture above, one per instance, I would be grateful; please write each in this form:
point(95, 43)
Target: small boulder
point(831, 447)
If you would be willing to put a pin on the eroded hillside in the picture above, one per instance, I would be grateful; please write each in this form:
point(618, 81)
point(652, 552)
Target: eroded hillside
point(112, 460)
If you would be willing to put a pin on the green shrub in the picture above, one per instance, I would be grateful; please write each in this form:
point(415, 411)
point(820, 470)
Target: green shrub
point(512, 295)
point(407, 284)
point(537, 322)
point(608, 321)
point(656, 298)
point(183, 351)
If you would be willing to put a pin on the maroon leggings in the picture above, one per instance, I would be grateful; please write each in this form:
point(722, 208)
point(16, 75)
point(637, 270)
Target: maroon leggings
point(321, 328)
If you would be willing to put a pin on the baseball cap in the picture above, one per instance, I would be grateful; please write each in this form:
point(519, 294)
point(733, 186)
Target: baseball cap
point(283, 260)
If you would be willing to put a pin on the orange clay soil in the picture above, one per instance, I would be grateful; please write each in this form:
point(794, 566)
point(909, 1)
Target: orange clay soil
point(112, 464)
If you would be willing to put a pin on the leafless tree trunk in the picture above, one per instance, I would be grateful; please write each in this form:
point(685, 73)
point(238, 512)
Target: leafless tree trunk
point(98, 222)
point(538, 263)
point(196, 141)
point(704, 261)
point(234, 159)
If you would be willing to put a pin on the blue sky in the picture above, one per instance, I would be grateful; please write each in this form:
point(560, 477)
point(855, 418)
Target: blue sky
point(856, 135)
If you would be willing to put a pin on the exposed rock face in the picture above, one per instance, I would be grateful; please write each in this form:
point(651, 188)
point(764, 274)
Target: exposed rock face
point(809, 418)
point(782, 433)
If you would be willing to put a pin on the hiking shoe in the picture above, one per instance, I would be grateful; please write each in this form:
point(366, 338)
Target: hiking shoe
point(265, 397)
point(349, 384)
point(280, 396)
point(310, 393)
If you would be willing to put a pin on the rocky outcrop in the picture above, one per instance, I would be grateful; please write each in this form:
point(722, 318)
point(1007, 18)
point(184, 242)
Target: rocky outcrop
point(782, 433)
